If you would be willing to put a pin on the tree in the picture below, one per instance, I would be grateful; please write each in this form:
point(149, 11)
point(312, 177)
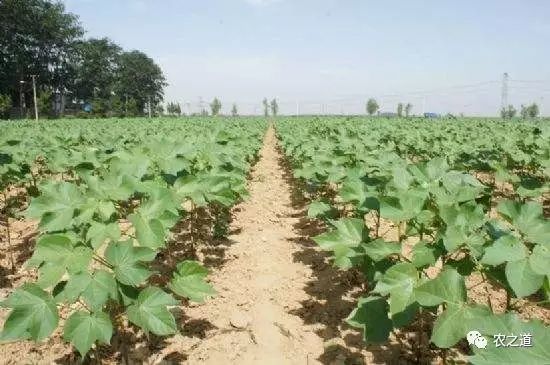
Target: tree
point(116, 107)
point(266, 107)
point(96, 68)
point(131, 108)
point(173, 109)
point(533, 110)
point(5, 105)
point(530, 111)
point(140, 78)
point(36, 38)
point(44, 103)
point(274, 107)
point(372, 106)
point(215, 106)
point(234, 111)
point(400, 110)
point(408, 109)
point(508, 112)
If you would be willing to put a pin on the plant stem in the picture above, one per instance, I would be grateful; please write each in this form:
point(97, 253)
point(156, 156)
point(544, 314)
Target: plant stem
point(102, 261)
point(8, 233)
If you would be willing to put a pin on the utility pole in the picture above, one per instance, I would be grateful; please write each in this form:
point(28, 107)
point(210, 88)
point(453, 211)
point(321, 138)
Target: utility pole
point(297, 108)
point(21, 98)
point(504, 95)
point(149, 104)
point(34, 97)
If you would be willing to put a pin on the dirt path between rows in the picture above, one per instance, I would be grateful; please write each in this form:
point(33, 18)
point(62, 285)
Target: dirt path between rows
point(279, 301)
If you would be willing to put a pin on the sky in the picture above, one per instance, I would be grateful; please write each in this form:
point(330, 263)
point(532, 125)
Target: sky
point(330, 56)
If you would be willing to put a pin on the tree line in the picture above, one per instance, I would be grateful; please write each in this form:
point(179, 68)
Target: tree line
point(269, 108)
point(85, 76)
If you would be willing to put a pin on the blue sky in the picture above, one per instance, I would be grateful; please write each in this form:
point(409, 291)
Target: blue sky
point(331, 55)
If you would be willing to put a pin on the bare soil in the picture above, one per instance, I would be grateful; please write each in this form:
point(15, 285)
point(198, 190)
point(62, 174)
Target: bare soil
point(279, 299)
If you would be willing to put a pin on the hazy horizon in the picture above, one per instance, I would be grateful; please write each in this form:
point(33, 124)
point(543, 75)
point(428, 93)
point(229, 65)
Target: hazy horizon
point(330, 56)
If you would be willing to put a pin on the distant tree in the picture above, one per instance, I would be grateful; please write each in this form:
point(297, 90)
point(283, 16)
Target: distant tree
point(408, 109)
point(99, 107)
point(5, 105)
point(530, 111)
point(140, 78)
point(266, 107)
point(44, 103)
point(400, 110)
point(173, 109)
point(204, 112)
point(274, 107)
point(234, 111)
point(215, 106)
point(131, 108)
point(159, 110)
point(96, 65)
point(372, 106)
point(508, 113)
point(533, 110)
point(36, 37)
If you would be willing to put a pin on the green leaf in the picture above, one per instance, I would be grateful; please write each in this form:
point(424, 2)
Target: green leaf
point(506, 324)
point(189, 281)
point(58, 254)
point(34, 314)
point(150, 312)
point(506, 248)
point(56, 206)
point(398, 281)
point(371, 315)
point(540, 260)
point(424, 254)
point(349, 233)
point(380, 249)
point(127, 262)
point(321, 209)
point(98, 233)
point(149, 233)
point(522, 278)
point(83, 329)
point(447, 287)
point(528, 219)
point(455, 322)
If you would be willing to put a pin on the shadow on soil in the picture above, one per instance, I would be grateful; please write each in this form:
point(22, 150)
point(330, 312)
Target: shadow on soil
point(333, 295)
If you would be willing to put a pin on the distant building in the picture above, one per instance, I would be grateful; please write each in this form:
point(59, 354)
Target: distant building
point(388, 114)
point(431, 115)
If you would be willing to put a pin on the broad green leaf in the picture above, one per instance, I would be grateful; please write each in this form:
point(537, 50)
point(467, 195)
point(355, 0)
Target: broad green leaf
point(127, 262)
point(321, 209)
point(522, 278)
point(540, 260)
point(98, 233)
point(150, 312)
point(455, 322)
point(83, 329)
point(380, 249)
point(506, 248)
point(34, 314)
point(506, 324)
point(189, 281)
point(149, 233)
point(448, 287)
point(424, 254)
point(371, 316)
point(398, 281)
